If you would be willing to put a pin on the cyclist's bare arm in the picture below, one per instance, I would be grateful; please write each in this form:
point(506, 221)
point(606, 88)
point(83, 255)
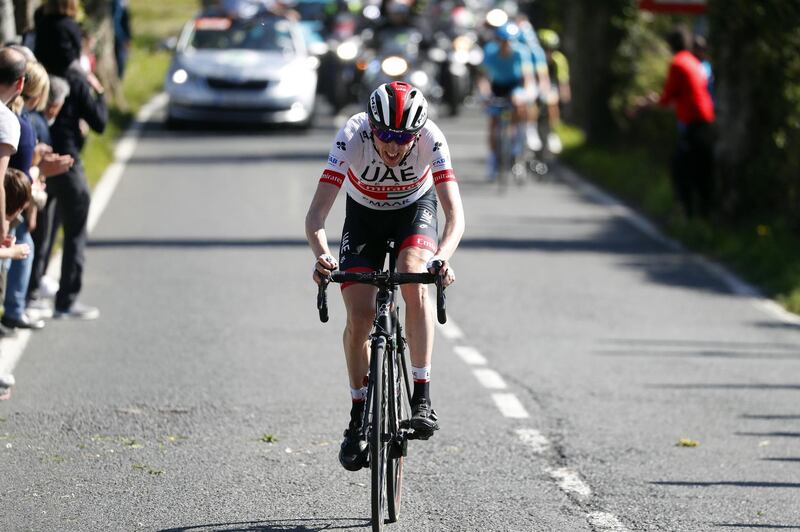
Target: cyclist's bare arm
point(318, 212)
point(450, 198)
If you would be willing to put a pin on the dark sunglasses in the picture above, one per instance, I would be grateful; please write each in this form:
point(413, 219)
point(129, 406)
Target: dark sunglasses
point(393, 136)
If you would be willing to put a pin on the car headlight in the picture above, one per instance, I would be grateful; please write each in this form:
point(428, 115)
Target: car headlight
point(180, 76)
point(347, 51)
point(394, 66)
point(418, 78)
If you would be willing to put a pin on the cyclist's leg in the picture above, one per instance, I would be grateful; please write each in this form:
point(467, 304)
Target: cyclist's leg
point(361, 250)
point(359, 302)
point(357, 253)
point(418, 244)
point(493, 155)
point(519, 118)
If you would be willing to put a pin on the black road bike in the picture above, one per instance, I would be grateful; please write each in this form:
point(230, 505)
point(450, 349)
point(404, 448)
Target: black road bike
point(386, 414)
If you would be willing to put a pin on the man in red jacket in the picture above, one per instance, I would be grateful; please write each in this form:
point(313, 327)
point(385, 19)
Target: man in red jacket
point(686, 90)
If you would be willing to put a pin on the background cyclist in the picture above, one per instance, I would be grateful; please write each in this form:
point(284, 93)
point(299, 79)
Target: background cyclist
point(393, 163)
point(528, 37)
point(559, 93)
point(507, 73)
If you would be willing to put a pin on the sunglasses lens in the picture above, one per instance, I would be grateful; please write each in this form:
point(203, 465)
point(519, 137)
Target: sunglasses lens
point(391, 136)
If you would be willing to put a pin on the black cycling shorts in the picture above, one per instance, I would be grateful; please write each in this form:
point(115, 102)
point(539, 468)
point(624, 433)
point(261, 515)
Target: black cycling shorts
point(504, 90)
point(366, 231)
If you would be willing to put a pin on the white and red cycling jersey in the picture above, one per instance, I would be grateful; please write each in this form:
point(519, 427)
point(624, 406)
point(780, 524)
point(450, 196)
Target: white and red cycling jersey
point(355, 163)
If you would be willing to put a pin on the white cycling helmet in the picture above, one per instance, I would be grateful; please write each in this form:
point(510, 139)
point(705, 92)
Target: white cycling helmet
point(397, 106)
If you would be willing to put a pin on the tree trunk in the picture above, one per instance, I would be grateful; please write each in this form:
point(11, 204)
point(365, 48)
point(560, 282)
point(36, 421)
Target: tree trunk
point(8, 30)
point(24, 14)
point(757, 71)
point(98, 13)
point(593, 31)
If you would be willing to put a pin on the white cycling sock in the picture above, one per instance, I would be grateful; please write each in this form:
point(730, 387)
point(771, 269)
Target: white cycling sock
point(421, 374)
point(359, 395)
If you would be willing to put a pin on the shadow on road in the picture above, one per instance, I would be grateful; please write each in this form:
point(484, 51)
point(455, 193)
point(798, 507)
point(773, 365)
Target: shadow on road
point(763, 526)
point(282, 525)
point(737, 484)
point(770, 434)
point(228, 159)
point(732, 386)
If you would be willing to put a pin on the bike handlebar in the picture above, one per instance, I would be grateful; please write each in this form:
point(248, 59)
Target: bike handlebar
point(379, 278)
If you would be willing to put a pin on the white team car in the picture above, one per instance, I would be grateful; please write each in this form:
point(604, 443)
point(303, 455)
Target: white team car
point(233, 70)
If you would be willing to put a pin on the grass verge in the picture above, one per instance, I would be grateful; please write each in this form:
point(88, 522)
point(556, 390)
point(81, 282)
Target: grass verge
point(151, 23)
point(765, 252)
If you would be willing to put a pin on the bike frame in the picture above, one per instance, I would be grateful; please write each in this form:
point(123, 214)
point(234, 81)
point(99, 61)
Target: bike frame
point(384, 422)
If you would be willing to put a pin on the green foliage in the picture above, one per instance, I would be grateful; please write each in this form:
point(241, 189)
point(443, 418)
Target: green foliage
point(152, 22)
point(755, 50)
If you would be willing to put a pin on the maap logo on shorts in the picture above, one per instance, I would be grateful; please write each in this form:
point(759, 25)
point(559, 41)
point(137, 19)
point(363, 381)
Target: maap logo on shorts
point(426, 216)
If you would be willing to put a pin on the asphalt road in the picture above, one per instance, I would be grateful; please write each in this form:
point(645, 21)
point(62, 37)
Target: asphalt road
point(209, 397)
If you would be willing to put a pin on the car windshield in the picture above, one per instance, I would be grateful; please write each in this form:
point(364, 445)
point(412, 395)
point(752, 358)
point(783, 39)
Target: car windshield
point(261, 34)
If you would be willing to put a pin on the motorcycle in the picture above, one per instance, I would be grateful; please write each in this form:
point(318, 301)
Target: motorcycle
point(399, 57)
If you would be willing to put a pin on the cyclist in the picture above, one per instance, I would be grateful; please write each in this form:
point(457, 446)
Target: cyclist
point(507, 72)
point(559, 93)
point(393, 163)
point(528, 37)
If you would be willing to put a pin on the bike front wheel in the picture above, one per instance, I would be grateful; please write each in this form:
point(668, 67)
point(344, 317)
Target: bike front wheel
point(398, 406)
point(377, 441)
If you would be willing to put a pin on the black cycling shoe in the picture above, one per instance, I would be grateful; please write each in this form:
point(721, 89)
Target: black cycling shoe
point(353, 452)
point(424, 420)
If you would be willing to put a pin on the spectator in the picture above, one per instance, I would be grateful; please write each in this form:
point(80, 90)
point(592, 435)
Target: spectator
point(70, 190)
point(58, 35)
point(12, 80)
point(686, 89)
point(700, 51)
point(120, 15)
point(17, 272)
point(47, 220)
point(17, 190)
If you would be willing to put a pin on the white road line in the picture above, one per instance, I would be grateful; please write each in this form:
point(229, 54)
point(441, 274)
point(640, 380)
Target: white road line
point(534, 439)
point(605, 522)
point(489, 378)
point(570, 482)
point(11, 349)
point(470, 355)
point(451, 331)
point(509, 405)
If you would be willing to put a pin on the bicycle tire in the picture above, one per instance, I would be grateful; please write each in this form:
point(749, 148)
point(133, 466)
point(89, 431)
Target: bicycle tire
point(397, 403)
point(377, 445)
point(503, 152)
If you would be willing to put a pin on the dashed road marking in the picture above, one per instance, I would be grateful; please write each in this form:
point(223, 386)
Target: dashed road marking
point(451, 331)
point(509, 405)
point(489, 378)
point(534, 439)
point(470, 355)
point(605, 522)
point(570, 482)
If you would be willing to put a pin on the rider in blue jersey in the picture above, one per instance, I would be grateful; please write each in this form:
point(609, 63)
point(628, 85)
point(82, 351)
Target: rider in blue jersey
point(527, 36)
point(507, 73)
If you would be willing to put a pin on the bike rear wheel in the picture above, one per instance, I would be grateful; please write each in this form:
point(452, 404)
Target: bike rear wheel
point(377, 444)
